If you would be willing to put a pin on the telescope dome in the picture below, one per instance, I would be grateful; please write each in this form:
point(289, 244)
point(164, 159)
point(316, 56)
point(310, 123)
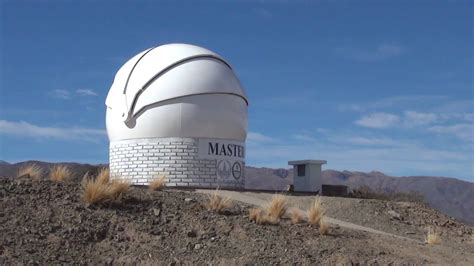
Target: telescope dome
point(177, 110)
point(176, 90)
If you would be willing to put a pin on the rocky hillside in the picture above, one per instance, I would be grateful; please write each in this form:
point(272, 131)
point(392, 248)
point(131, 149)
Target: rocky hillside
point(449, 195)
point(47, 223)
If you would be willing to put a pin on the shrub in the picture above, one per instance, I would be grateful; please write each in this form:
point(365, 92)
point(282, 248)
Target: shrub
point(296, 215)
point(254, 213)
point(277, 206)
point(433, 237)
point(267, 219)
point(95, 192)
point(104, 176)
point(315, 211)
point(323, 226)
point(157, 183)
point(34, 171)
point(117, 188)
point(260, 217)
point(59, 173)
point(217, 203)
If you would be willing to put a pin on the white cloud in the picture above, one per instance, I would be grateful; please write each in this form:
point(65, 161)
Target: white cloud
point(413, 118)
point(379, 52)
point(461, 131)
point(66, 94)
point(304, 137)
point(60, 94)
point(399, 102)
point(371, 141)
point(378, 120)
point(26, 129)
point(257, 137)
point(86, 92)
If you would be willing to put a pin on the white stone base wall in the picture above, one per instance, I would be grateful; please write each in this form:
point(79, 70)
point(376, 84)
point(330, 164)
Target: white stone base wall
point(139, 161)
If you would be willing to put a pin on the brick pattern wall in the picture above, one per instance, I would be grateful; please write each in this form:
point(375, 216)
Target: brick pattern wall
point(140, 160)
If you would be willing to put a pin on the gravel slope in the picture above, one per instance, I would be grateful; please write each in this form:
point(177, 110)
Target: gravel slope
point(45, 222)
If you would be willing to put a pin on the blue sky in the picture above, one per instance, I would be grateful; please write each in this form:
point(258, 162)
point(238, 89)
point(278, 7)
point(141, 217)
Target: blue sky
point(366, 85)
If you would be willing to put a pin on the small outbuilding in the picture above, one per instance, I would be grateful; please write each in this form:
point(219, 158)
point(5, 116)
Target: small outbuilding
point(307, 175)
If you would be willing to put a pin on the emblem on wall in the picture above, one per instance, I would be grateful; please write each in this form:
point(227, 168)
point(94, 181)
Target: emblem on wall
point(223, 169)
point(237, 170)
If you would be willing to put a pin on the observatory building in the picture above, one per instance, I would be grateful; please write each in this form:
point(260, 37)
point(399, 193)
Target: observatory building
point(177, 110)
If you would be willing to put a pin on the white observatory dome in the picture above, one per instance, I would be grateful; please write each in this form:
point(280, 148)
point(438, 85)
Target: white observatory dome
point(176, 90)
point(177, 110)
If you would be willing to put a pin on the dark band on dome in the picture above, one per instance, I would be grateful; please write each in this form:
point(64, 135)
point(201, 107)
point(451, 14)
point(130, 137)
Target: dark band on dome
point(133, 68)
point(151, 105)
point(170, 67)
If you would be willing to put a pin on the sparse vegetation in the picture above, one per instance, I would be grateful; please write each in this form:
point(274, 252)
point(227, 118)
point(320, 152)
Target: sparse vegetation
point(217, 203)
point(254, 213)
point(277, 206)
point(100, 190)
point(316, 211)
point(104, 176)
point(157, 183)
point(323, 226)
point(117, 188)
point(260, 217)
point(95, 192)
point(59, 173)
point(296, 215)
point(433, 237)
point(32, 170)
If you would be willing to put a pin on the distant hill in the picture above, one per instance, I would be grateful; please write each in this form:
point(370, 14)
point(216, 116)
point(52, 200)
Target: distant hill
point(449, 195)
point(78, 169)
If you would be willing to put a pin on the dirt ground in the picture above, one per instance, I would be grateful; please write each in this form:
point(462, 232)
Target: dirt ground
point(45, 222)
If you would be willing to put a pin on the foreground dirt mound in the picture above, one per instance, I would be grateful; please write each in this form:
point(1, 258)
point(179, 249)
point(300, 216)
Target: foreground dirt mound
point(45, 222)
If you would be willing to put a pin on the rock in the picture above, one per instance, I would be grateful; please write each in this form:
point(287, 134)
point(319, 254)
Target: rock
point(191, 233)
point(189, 200)
point(156, 212)
point(394, 215)
point(197, 246)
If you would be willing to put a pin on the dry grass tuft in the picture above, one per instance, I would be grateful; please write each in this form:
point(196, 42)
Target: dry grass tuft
point(277, 206)
point(217, 203)
point(104, 176)
point(59, 173)
point(267, 219)
point(260, 217)
point(433, 237)
point(157, 183)
point(117, 188)
point(254, 213)
point(34, 171)
point(296, 215)
point(315, 212)
point(323, 226)
point(97, 191)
